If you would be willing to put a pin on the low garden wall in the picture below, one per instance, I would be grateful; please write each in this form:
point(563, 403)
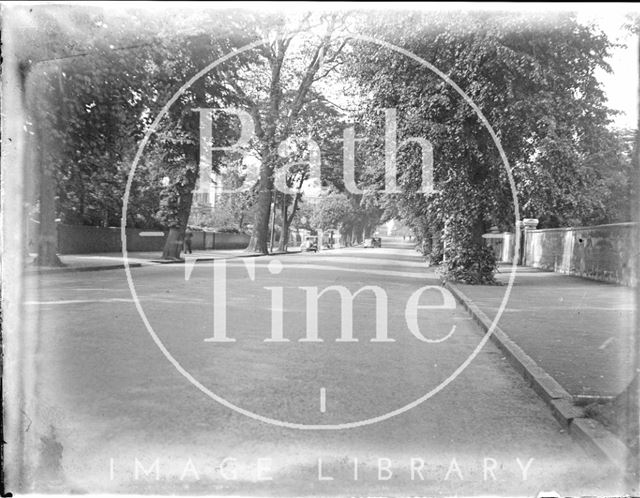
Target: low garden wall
point(80, 239)
point(219, 240)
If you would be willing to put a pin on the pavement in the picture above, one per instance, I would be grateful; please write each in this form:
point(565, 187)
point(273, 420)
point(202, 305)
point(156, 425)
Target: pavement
point(572, 340)
point(577, 330)
point(112, 401)
point(115, 260)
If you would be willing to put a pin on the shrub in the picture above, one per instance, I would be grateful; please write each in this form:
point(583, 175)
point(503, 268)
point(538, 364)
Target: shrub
point(474, 264)
point(467, 258)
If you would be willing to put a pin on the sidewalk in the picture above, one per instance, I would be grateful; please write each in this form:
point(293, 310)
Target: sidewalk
point(112, 260)
point(577, 330)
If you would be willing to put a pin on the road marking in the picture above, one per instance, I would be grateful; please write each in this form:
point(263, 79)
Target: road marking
point(323, 400)
point(606, 343)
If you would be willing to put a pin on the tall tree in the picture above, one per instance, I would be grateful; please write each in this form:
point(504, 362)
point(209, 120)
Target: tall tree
point(295, 55)
point(533, 78)
point(103, 77)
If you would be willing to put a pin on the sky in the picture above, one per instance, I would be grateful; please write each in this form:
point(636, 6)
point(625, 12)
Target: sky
point(621, 85)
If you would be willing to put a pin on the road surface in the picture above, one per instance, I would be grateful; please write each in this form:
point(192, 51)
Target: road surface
point(136, 413)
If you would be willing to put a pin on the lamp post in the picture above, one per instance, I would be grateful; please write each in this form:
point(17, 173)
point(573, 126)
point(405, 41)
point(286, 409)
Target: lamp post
point(273, 222)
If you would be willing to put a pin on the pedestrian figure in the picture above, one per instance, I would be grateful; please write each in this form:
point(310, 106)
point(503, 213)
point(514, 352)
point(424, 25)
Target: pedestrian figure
point(188, 235)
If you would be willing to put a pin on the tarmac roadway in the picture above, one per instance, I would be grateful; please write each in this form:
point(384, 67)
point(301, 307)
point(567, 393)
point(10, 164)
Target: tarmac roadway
point(273, 405)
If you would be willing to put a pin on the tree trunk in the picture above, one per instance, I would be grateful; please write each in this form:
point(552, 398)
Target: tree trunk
point(260, 235)
point(284, 233)
point(173, 244)
point(274, 210)
point(48, 232)
point(344, 236)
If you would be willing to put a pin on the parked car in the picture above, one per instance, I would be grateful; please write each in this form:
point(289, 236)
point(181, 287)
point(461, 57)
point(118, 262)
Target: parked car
point(310, 243)
point(373, 242)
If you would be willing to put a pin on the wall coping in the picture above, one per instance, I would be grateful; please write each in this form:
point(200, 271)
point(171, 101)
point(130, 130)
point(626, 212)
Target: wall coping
point(592, 227)
point(92, 227)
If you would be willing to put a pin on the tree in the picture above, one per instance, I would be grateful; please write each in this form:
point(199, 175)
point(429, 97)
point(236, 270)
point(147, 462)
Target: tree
point(291, 63)
point(44, 154)
point(519, 70)
point(320, 122)
point(100, 101)
point(232, 209)
point(330, 210)
point(177, 141)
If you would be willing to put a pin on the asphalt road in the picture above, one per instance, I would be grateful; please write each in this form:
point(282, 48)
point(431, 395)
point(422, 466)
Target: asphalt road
point(114, 394)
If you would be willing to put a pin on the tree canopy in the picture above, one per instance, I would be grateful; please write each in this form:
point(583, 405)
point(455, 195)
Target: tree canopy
point(94, 81)
point(534, 79)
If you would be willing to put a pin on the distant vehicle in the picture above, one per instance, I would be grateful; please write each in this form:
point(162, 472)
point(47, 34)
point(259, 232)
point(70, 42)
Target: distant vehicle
point(329, 240)
point(310, 243)
point(373, 242)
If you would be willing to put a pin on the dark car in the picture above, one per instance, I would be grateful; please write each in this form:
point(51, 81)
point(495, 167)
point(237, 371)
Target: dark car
point(309, 244)
point(373, 242)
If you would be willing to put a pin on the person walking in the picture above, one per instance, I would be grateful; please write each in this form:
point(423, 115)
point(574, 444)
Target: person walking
point(188, 235)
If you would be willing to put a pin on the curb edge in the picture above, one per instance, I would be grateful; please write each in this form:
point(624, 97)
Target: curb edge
point(152, 262)
point(589, 433)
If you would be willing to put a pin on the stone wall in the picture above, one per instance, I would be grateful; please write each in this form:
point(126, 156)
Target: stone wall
point(603, 252)
point(80, 239)
point(219, 240)
point(502, 245)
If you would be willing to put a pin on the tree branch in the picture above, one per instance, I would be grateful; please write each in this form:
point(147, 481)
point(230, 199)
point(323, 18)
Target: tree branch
point(309, 75)
point(253, 108)
point(296, 199)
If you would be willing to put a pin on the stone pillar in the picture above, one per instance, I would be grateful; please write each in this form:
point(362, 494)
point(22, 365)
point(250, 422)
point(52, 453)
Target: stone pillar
point(528, 224)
